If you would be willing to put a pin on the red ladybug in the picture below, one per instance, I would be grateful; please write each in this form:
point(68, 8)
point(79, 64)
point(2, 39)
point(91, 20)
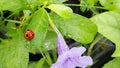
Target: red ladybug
point(29, 34)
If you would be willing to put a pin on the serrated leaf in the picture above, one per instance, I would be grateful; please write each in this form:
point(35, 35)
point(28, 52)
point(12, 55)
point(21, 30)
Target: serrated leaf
point(13, 5)
point(111, 4)
point(77, 27)
point(56, 1)
point(113, 63)
point(13, 55)
point(61, 10)
point(108, 25)
point(39, 25)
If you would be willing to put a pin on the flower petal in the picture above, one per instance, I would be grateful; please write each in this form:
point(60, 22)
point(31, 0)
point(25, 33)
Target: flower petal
point(77, 51)
point(61, 45)
point(85, 61)
point(69, 63)
point(56, 65)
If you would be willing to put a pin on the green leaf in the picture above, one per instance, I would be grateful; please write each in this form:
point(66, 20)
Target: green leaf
point(13, 5)
point(32, 64)
point(61, 10)
point(13, 52)
point(40, 63)
point(115, 63)
point(78, 27)
point(56, 1)
point(108, 25)
point(35, 4)
point(50, 40)
point(83, 8)
point(91, 2)
point(39, 25)
point(111, 4)
point(13, 55)
point(47, 55)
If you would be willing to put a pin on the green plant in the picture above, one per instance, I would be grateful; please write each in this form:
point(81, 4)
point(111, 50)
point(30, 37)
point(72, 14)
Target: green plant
point(41, 15)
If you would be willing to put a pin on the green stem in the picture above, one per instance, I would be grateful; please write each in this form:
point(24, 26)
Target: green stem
point(93, 44)
point(1, 13)
point(54, 55)
point(6, 18)
point(15, 21)
point(46, 55)
point(52, 24)
point(100, 45)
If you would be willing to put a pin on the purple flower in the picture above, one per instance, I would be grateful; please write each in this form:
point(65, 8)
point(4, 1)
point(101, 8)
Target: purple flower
point(70, 58)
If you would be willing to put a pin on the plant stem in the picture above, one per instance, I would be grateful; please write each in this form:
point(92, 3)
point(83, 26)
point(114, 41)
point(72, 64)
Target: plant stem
point(52, 24)
point(100, 45)
point(54, 53)
point(6, 18)
point(93, 44)
point(1, 13)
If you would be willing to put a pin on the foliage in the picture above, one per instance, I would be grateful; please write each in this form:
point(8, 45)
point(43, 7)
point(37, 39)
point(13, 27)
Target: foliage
point(113, 63)
point(17, 16)
point(106, 26)
point(13, 5)
point(76, 27)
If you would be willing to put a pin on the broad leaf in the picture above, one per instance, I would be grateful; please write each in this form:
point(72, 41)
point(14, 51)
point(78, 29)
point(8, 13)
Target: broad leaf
point(111, 4)
point(109, 25)
point(13, 5)
point(61, 10)
point(115, 63)
point(13, 54)
point(39, 25)
point(78, 27)
point(57, 1)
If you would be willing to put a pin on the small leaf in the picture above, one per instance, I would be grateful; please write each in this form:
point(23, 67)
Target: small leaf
point(111, 4)
point(77, 27)
point(61, 10)
point(115, 63)
point(13, 5)
point(39, 25)
point(108, 25)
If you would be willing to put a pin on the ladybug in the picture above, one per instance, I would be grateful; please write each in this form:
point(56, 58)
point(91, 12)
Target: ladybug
point(29, 34)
